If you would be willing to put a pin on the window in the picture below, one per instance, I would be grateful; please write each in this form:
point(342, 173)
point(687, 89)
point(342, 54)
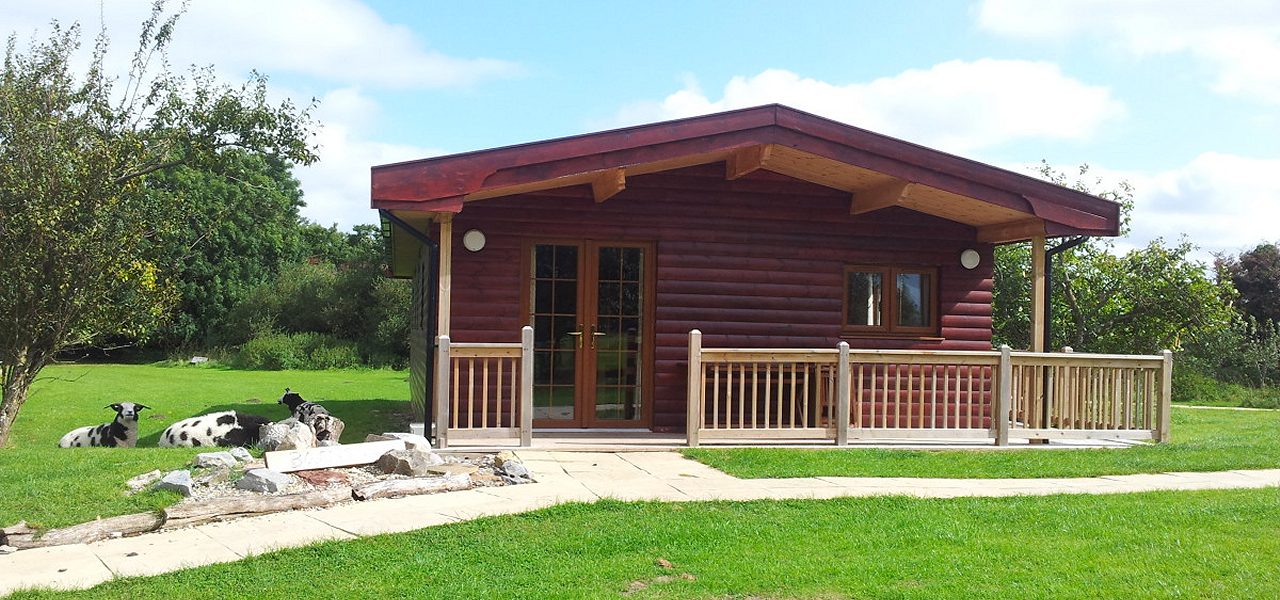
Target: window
point(890, 300)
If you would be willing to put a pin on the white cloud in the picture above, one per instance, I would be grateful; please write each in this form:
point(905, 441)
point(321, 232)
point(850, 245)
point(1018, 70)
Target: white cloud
point(1240, 39)
point(1222, 203)
point(324, 48)
point(957, 105)
point(340, 41)
point(336, 188)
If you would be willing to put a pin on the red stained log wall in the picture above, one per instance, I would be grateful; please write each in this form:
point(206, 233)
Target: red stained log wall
point(747, 268)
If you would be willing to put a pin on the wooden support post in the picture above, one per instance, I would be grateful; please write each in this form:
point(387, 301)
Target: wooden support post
point(844, 393)
point(694, 420)
point(446, 274)
point(1038, 295)
point(1166, 393)
point(442, 392)
point(526, 386)
point(1004, 397)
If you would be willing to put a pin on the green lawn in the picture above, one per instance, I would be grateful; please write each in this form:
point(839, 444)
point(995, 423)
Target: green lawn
point(1154, 545)
point(53, 487)
point(1201, 440)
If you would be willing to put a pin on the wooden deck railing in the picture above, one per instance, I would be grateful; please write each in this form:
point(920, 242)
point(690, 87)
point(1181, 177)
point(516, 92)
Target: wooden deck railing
point(787, 394)
point(484, 390)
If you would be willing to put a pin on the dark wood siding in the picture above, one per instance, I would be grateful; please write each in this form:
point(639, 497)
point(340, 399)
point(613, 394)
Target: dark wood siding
point(756, 262)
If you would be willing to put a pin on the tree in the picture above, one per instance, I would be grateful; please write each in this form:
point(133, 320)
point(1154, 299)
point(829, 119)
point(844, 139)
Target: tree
point(235, 230)
point(79, 218)
point(1256, 276)
point(1142, 301)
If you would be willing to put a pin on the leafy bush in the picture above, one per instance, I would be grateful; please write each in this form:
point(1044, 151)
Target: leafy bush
point(1193, 387)
point(308, 350)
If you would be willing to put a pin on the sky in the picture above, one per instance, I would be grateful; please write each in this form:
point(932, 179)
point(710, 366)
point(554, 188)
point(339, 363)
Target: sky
point(1179, 98)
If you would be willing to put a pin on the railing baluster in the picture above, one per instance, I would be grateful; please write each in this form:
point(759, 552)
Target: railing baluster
point(715, 396)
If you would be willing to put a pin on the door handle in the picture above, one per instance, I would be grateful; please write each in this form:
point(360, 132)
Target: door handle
point(578, 336)
point(595, 334)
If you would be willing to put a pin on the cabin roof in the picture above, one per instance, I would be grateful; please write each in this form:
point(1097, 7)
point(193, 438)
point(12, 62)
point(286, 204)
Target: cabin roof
point(877, 171)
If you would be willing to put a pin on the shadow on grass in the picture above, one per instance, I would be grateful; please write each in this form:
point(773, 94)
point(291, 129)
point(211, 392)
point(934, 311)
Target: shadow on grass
point(361, 417)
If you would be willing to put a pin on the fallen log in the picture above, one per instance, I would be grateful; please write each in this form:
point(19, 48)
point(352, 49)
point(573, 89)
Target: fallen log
point(411, 487)
point(195, 513)
point(22, 536)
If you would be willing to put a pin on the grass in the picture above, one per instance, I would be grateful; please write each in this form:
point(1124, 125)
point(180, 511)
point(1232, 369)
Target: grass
point(1151, 545)
point(52, 487)
point(1201, 440)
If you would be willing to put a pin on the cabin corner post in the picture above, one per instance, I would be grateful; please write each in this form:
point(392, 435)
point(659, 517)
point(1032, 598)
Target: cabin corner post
point(445, 271)
point(694, 416)
point(1004, 399)
point(1039, 295)
point(1166, 396)
point(526, 386)
point(844, 393)
point(442, 392)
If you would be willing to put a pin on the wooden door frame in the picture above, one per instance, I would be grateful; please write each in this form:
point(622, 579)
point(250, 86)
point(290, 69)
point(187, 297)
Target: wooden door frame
point(586, 294)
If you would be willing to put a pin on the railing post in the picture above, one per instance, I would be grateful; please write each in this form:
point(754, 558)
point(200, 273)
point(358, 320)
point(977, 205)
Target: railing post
point(1004, 399)
point(442, 392)
point(844, 393)
point(1166, 394)
point(526, 386)
point(694, 420)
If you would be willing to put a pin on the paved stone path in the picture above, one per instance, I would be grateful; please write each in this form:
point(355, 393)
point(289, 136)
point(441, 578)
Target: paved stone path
point(562, 477)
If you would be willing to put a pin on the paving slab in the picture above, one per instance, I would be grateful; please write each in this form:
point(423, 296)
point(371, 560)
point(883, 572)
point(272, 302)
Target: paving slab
point(671, 465)
point(374, 517)
point(257, 535)
point(161, 552)
point(68, 567)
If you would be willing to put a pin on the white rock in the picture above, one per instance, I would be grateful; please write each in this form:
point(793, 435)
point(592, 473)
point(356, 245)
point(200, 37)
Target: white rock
point(139, 483)
point(178, 481)
point(264, 480)
point(241, 454)
point(412, 441)
point(215, 459)
point(288, 434)
point(414, 463)
point(7, 549)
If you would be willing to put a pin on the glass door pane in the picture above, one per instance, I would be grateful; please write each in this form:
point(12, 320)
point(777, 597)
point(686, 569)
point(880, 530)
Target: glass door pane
point(557, 333)
point(617, 334)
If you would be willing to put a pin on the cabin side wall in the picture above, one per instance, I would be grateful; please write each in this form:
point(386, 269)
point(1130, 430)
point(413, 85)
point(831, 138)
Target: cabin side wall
point(755, 262)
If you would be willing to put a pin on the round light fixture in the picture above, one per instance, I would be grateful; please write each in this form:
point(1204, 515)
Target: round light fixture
point(473, 240)
point(969, 259)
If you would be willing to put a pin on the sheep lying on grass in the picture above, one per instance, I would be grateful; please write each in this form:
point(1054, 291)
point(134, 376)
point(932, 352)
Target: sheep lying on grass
point(122, 432)
point(228, 428)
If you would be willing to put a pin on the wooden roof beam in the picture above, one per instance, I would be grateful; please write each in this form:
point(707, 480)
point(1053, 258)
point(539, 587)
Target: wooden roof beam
point(881, 196)
point(608, 184)
point(1011, 232)
point(743, 161)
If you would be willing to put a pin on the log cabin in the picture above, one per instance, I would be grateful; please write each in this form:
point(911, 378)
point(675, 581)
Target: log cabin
point(766, 229)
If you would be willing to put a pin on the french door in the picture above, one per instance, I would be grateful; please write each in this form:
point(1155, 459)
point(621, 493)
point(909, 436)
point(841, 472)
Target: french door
point(589, 304)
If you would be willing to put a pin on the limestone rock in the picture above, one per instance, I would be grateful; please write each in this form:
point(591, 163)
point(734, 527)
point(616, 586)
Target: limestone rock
point(7, 550)
point(327, 443)
point(453, 469)
point(501, 458)
point(241, 454)
point(178, 481)
point(216, 474)
point(515, 470)
point(288, 434)
point(412, 441)
point(414, 463)
point(139, 483)
point(215, 459)
point(264, 480)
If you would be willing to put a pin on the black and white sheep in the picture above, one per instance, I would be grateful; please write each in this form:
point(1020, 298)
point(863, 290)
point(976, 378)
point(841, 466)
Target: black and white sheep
point(122, 432)
point(228, 428)
point(308, 413)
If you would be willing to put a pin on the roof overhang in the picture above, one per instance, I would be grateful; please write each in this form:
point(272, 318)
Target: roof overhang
point(876, 171)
